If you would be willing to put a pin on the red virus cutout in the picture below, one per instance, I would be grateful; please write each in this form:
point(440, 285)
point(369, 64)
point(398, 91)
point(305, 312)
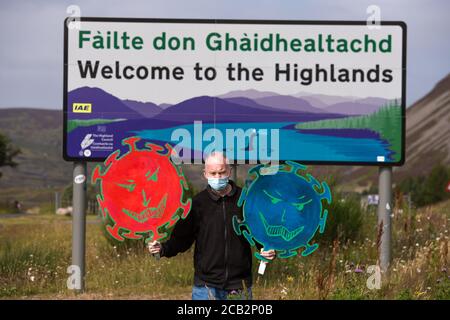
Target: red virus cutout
point(141, 191)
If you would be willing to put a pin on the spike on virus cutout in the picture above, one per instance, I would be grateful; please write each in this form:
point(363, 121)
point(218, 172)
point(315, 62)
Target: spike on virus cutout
point(141, 191)
point(282, 209)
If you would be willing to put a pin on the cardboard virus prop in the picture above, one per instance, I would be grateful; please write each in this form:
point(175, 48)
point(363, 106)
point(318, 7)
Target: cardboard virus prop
point(141, 191)
point(283, 210)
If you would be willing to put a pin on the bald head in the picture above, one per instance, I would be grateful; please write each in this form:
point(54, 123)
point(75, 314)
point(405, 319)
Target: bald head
point(216, 166)
point(216, 157)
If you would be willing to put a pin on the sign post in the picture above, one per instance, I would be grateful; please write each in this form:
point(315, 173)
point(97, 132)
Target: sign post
point(384, 216)
point(79, 220)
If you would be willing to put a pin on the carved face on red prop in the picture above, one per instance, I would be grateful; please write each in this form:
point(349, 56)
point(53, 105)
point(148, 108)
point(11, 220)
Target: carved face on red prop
point(141, 191)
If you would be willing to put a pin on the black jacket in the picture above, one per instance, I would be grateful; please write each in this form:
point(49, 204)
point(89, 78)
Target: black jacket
point(222, 259)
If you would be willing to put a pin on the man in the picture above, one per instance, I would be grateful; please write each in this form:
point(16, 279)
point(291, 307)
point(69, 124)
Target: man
point(222, 259)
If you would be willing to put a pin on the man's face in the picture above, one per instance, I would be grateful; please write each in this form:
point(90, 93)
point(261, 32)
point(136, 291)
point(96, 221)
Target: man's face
point(216, 168)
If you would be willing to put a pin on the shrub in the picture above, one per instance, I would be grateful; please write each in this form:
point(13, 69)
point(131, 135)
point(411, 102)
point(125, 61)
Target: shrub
point(428, 189)
point(345, 219)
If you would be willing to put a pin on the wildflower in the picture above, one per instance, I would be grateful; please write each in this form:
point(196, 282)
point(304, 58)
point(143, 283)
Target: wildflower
point(32, 278)
point(358, 270)
point(290, 279)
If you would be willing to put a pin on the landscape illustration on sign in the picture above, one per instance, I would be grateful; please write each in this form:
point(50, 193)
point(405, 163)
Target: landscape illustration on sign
point(322, 127)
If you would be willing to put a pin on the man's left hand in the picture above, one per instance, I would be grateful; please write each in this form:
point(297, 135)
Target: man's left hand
point(269, 254)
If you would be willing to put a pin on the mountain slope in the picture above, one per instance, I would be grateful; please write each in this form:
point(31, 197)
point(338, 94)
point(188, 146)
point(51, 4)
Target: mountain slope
point(38, 133)
point(428, 130)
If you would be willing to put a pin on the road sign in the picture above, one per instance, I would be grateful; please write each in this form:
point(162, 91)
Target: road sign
point(322, 92)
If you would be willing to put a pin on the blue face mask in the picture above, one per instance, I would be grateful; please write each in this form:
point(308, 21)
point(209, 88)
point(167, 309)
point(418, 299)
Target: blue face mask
point(218, 183)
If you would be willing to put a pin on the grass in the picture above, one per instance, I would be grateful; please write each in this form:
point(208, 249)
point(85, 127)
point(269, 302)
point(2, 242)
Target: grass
point(384, 121)
point(35, 252)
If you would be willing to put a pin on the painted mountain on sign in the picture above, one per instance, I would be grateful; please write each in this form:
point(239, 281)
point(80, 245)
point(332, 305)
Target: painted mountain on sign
point(104, 105)
point(212, 109)
point(306, 102)
point(289, 103)
point(147, 109)
point(256, 106)
point(349, 129)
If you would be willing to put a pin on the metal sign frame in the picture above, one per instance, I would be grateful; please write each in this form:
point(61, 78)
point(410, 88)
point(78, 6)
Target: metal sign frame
point(232, 21)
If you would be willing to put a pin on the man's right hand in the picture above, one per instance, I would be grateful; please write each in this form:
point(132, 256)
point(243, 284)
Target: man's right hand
point(154, 247)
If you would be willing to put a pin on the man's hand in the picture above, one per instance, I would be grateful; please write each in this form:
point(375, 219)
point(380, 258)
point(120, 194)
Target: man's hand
point(270, 254)
point(154, 247)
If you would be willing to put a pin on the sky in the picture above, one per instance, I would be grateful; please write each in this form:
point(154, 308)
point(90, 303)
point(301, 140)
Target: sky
point(31, 36)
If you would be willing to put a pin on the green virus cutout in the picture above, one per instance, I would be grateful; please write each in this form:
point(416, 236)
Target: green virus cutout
point(282, 209)
point(141, 192)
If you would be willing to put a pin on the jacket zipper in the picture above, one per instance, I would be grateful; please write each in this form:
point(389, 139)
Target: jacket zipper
point(226, 243)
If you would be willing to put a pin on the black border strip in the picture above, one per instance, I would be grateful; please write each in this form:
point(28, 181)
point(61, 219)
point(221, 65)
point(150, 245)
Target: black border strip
point(232, 21)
